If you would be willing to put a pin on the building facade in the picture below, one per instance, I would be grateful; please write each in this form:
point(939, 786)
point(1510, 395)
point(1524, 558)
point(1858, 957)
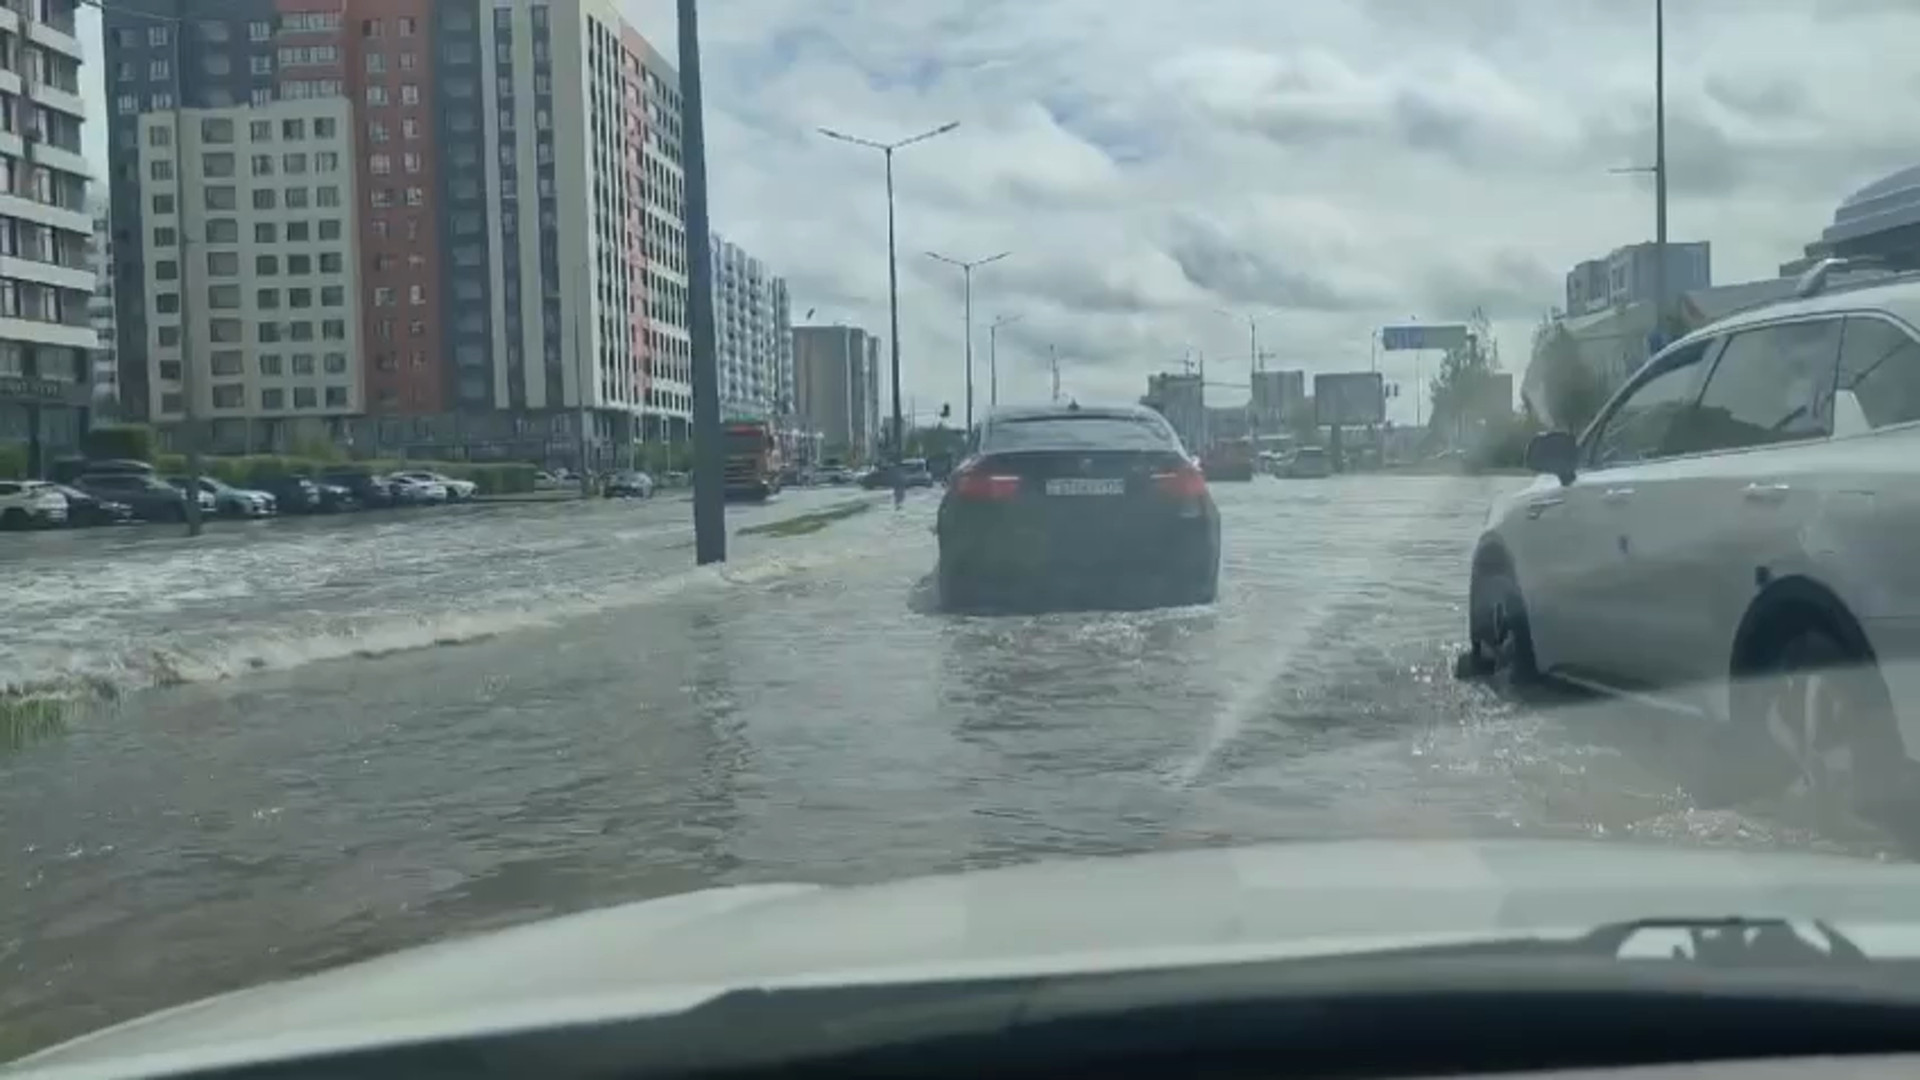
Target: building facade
point(509, 213)
point(46, 281)
point(106, 377)
point(1625, 276)
point(837, 391)
point(753, 335)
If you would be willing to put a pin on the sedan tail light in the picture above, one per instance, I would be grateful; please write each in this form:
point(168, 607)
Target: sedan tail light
point(985, 484)
point(1183, 481)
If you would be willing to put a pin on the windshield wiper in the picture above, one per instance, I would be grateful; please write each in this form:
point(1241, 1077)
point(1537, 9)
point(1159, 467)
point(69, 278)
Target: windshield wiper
point(1718, 941)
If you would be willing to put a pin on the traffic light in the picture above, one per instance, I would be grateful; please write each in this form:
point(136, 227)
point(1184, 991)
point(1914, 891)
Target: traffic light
point(946, 411)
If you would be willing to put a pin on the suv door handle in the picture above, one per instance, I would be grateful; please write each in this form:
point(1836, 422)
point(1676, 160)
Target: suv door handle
point(1766, 493)
point(1539, 506)
point(1616, 495)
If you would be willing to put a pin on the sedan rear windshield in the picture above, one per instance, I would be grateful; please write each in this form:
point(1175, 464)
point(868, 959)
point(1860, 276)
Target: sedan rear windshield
point(1077, 433)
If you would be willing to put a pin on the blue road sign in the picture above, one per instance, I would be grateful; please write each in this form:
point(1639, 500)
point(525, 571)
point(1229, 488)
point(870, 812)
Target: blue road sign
point(1422, 336)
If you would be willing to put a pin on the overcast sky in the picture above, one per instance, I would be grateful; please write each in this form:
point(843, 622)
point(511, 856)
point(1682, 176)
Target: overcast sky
point(1332, 165)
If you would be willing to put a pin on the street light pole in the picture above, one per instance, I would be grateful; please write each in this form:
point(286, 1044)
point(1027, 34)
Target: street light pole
point(189, 385)
point(966, 276)
point(893, 273)
point(709, 506)
point(993, 358)
point(1660, 168)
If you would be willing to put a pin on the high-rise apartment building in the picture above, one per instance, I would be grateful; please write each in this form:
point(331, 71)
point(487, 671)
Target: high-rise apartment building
point(753, 334)
point(837, 389)
point(106, 377)
point(46, 341)
point(505, 208)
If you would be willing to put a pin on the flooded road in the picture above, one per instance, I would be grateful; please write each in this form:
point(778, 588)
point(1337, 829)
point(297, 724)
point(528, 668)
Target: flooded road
point(317, 740)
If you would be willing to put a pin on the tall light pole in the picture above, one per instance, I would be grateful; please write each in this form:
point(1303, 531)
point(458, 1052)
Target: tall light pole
point(709, 464)
point(966, 276)
point(893, 271)
point(993, 357)
point(1253, 356)
point(1659, 171)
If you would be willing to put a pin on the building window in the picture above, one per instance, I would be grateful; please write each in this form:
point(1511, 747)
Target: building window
point(166, 270)
point(263, 198)
point(376, 94)
point(269, 363)
point(216, 130)
point(266, 265)
point(379, 164)
point(161, 169)
point(331, 262)
point(293, 130)
point(223, 263)
point(266, 299)
point(263, 164)
point(330, 229)
point(409, 94)
point(265, 232)
point(259, 30)
point(336, 397)
point(332, 296)
point(303, 396)
point(335, 363)
point(163, 204)
point(303, 363)
point(324, 127)
point(273, 398)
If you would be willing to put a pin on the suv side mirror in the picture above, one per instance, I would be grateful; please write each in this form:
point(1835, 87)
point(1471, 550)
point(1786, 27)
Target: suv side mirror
point(1553, 452)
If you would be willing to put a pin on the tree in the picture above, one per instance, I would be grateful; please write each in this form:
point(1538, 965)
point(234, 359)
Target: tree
point(1464, 371)
point(1573, 393)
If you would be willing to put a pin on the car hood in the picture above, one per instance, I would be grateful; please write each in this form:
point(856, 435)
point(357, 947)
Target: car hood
point(1141, 911)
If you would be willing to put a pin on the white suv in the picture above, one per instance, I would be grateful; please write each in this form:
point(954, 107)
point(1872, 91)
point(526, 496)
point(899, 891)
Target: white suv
point(26, 503)
point(1737, 534)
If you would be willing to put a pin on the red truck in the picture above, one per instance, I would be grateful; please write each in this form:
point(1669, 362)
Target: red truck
point(752, 469)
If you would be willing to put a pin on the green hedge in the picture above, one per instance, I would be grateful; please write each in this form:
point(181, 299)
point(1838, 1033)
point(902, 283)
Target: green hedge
point(13, 462)
point(493, 479)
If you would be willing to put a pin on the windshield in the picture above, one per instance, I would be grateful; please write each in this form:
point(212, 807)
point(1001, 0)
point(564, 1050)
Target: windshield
point(982, 434)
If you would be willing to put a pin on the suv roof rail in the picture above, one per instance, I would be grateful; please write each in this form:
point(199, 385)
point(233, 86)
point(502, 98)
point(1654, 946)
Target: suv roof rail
point(1814, 281)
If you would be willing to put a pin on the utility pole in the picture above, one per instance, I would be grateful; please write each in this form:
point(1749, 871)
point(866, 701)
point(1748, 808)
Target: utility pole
point(966, 275)
point(1053, 362)
point(893, 277)
point(993, 357)
point(580, 372)
point(709, 506)
point(189, 384)
point(1660, 170)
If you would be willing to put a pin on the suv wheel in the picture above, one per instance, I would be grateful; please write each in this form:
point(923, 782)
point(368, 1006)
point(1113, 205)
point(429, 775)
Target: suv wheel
point(1500, 639)
point(1828, 719)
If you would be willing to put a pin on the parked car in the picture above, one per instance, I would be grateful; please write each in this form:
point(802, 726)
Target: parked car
point(366, 489)
point(409, 491)
point(293, 494)
point(150, 498)
point(628, 485)
point(457, 490)
point(26, 504)
point(86, 510)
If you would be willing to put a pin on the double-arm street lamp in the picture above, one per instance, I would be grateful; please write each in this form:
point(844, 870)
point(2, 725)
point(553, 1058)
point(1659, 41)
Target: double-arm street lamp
point(966, 274)
point(893, 270)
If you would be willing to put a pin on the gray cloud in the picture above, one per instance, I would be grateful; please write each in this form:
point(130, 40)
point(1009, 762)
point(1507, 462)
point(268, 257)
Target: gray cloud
point(1351, 164)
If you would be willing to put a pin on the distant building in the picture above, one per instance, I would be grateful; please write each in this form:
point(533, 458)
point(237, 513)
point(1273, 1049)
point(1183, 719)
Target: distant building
point(1880, 220)
point(752, 334)
point(1180, 399)
point(1625, 276)
point(1275, 394)
point(106, 379)
point(836, 374)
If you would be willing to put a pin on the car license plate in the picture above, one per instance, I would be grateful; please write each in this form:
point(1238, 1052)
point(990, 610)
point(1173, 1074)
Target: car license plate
point(1080, 486)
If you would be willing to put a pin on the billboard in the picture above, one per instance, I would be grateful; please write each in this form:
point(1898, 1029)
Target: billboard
point(1440, 337)
point(1350, 397)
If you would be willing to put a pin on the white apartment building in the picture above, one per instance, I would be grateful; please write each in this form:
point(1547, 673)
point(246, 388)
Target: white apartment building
point(575, 306)
point(46, 342)
point(752, 332)
point(250, 269)
point(106, 371)
point(663, 201)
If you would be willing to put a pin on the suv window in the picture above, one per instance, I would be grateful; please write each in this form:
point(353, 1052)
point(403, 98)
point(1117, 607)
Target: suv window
point(1770, 385)
point(1879, 376)
point(1637, 428)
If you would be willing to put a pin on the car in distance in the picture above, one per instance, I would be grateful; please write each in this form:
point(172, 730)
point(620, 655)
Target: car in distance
point(1071, 501)
point(1306, 463)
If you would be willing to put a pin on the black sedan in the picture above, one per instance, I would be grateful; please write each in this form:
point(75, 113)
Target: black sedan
point(1096, 505)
